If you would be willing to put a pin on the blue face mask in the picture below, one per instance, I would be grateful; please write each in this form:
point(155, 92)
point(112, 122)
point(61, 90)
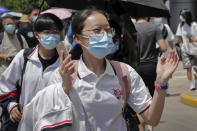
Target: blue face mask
point(158, 21)
point(113, 50)
point(34, 18)
point(49, 41)
point(10, 28)
point(100, 45)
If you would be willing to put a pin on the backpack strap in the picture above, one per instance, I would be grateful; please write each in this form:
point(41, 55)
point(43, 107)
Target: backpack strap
point(20, 40)
point(1, 37)
point(27, 52)
point(124, 79)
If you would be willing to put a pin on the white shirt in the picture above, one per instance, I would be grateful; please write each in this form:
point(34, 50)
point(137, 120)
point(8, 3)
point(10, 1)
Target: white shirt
point(184, 32)
point(34, 78)
point(95, 102)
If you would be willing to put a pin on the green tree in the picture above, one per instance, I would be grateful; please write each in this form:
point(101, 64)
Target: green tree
point(20, 5)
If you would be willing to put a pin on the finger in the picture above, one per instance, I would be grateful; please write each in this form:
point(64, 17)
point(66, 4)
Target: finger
point(21, 109)
point(169, 57)
point(66, 61)
point(18, 115)
point(171, 61)
point(11, 118)
point(71, 69)
point(162, 59)
point(14, 117)
point(175, 59)
point(66, 68)
point(62, 57)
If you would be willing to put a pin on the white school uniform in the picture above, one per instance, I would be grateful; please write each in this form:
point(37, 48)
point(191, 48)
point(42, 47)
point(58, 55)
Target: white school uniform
point(95, 102)
point(184, 32)
point(34, 78)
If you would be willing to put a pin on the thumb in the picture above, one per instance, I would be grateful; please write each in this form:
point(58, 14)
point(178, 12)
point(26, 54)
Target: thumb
point(162, 60)
point(21, 108)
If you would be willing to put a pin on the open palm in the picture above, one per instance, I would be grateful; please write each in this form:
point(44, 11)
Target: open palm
point(166, 67)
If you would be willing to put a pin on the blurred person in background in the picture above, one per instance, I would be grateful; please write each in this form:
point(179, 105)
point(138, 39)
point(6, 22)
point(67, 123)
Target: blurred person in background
point(10, 42)
point(26, 28)
point(187, 35)
point(30, 68)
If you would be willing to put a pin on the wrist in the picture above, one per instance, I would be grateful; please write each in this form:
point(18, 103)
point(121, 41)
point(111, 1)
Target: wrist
point(66, 88)
point(161, 86)
point(11, 106)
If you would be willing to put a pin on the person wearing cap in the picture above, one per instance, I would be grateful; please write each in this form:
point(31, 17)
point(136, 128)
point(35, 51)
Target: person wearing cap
point(26, 28)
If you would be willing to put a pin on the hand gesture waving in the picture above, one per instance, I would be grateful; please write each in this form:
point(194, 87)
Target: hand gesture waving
point(66, 69)
point(166, 67)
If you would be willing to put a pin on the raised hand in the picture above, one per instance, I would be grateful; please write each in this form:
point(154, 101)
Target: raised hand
point(66, 69)
point(166, 67)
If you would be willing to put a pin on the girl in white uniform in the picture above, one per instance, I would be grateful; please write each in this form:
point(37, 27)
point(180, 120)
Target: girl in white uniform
point(94, 101)
point(187, 34)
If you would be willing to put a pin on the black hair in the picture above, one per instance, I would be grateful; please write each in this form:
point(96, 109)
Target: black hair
point(8, 17)
point(32, 7)
point(187, 15)
point(80, 17)
point(116, 26)
point(145, 18)
point(46, 22)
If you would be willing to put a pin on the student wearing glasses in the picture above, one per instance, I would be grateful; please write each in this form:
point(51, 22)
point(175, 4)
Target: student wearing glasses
point(86, 94)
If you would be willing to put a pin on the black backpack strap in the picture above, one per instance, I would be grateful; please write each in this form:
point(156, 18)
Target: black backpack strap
point(1, 37)
point(20, 40)
point(27, 52)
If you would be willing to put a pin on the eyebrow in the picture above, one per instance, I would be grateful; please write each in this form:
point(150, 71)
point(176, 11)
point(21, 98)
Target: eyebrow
point(98, 25)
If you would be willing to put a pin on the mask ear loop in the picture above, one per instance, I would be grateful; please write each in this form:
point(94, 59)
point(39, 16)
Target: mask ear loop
point(87, 37)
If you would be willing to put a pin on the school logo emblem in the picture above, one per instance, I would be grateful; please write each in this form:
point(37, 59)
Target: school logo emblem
point(117, 93)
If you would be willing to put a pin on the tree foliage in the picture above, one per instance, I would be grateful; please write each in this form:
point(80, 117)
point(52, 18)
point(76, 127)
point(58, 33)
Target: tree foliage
point(20, 5)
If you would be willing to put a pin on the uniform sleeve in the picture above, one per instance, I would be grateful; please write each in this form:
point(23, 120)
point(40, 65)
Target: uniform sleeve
point(170, 34)
point(9, 80)
point(158, 34)
point(139, 98)
point(179, 31)
point(49, 109)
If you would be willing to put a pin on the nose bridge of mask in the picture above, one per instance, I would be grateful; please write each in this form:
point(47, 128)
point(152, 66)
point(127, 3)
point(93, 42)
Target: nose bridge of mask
point(99, 37)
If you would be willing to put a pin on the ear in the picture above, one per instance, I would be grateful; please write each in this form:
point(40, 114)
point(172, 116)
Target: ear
point(36, 35)
point(77, 39)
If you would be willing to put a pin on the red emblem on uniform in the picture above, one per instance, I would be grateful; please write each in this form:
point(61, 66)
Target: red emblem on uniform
point(117, 93)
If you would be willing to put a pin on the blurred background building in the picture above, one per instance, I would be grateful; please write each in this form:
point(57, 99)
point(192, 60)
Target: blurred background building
point(176, 6)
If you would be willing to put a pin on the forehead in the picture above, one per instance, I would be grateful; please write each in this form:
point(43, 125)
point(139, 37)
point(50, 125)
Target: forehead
point(96, 19)
point(35, 11)
point(8, 20)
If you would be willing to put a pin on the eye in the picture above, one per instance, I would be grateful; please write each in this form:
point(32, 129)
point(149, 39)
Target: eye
point(97, 30)
point(110, 30)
